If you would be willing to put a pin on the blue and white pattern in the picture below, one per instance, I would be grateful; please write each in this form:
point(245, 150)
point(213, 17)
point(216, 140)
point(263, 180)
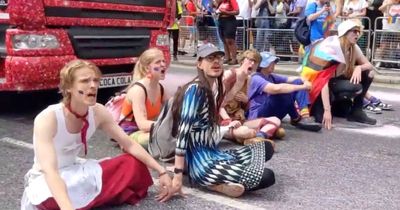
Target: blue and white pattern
point(197, 141)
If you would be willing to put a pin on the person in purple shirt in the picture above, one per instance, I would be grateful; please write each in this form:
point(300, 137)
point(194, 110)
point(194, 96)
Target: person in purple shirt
point(276, 95)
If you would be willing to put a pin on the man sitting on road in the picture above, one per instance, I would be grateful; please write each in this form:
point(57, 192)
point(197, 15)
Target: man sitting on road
point(276, 95)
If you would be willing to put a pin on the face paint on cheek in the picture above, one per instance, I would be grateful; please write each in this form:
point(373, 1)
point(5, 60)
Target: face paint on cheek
point(156, 69)
point(80, 92)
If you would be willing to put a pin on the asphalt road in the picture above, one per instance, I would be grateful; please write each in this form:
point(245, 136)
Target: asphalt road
point(352, 166)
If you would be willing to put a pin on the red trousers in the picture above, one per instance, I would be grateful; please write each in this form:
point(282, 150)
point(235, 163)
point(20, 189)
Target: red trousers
point(125, 180)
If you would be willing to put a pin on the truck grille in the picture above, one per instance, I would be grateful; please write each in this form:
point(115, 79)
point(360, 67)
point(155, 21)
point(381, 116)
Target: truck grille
point(98, 42)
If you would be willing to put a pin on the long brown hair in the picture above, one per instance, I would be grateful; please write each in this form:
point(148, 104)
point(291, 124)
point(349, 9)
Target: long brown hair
point(350, 57)
point(213, 108)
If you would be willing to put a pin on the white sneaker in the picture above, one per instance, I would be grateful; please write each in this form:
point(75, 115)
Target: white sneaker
point(373, 109)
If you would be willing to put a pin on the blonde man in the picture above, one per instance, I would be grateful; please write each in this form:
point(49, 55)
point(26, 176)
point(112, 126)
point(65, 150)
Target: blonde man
point(61, 180)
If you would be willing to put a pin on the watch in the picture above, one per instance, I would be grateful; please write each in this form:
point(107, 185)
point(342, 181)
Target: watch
point(178, 170)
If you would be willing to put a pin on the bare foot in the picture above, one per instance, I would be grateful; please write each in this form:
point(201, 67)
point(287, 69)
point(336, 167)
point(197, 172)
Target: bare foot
point(233, 190)
point(259, 139)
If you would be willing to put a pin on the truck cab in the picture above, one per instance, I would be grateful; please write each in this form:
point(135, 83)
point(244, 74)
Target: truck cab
point(37, 37)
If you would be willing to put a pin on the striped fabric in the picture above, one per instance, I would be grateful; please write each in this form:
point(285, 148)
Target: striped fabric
point(320, 63)
point(207, 164)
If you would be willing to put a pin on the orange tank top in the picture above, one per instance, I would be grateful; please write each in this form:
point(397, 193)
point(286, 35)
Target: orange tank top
point(153, 110)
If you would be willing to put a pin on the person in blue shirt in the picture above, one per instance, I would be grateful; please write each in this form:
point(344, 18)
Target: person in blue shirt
point(276, 95)
point(317, 13)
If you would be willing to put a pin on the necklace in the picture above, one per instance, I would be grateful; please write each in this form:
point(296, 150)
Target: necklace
point(84, 127)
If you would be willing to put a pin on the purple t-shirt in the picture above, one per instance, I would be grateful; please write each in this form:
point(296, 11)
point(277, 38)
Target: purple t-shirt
point(257, 97)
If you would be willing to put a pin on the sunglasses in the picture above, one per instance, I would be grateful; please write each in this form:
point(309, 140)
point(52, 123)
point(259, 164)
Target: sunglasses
point(211, 58)
point(355, 31)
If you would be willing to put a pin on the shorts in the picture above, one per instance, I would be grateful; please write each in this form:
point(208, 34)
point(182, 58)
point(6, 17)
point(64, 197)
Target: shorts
point(227, 27)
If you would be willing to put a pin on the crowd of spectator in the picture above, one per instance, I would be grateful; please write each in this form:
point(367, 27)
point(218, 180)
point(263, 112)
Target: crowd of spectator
point(264, 17)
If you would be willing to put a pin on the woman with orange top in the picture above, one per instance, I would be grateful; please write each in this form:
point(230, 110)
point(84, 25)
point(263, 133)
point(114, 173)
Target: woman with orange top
point(145, 96)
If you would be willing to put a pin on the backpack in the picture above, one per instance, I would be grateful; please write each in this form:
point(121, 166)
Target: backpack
point(162, 144)
point(302, 32)
point(114, 106)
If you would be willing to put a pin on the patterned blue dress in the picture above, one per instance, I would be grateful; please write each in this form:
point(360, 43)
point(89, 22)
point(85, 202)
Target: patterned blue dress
point(197, 142)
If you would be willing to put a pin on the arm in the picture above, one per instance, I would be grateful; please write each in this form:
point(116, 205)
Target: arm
point(258, 4)
point(137, 97)
point(271, 8)
point(339, 7)
point(327, 118)
point(384, 5)
point(272, 88)
point(312, 14)
point(114, 131)
point(235, 10)
point(45, 128)
point(192, 99)
point(237, 86)
point(291, 79)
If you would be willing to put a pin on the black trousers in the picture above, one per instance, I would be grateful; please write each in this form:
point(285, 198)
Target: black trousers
point(174, 33)
point(345, 97)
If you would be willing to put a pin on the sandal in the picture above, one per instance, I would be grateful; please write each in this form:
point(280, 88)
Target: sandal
point(233, 190)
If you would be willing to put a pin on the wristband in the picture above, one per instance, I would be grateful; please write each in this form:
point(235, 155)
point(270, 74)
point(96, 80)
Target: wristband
point(178, 170)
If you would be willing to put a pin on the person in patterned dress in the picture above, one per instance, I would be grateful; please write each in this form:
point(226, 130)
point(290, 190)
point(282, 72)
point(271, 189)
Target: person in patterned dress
point(195, 110)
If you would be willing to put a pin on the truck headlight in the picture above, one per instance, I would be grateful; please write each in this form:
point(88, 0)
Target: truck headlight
point(162, 40)
point(34, 41)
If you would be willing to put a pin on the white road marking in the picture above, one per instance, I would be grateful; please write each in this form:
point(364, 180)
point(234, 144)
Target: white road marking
point(17, 142)
point(389, 131)
point(385, 96)
point(234, 203)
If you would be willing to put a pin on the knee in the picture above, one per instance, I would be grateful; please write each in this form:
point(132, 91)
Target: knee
point(268, 178)
point(274, 120)
point(269, 150)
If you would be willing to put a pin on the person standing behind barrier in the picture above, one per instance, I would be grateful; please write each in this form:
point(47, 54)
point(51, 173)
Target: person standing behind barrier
point(272, 94)
point(226, 11)
point(296, 9)
point(192, 12)
point(263, 23)
point(355, 8)
point(389, 43)
point(145, 96)
point(317, 14)
point(174, 30)
point(196, 128)
point(243, 21)
point(59, 178)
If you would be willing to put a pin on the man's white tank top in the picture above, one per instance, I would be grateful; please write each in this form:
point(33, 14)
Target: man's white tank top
point(82, 177)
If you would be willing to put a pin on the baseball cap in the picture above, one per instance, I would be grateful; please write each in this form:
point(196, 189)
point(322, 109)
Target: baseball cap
point(346, 26)
point(267, 58)
point(207, 49)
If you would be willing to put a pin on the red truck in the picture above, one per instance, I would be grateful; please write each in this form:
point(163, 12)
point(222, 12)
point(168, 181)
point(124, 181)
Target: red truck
point(37, 37)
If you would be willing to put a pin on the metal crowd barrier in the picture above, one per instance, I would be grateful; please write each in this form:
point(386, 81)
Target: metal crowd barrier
point(386, 44)
point(188, 34)
point(274, 34)
point(379, 46)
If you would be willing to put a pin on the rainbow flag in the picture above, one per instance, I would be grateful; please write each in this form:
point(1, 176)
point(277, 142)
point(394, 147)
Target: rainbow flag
point(328, 25)
point(392, 19)
point(320, 62)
